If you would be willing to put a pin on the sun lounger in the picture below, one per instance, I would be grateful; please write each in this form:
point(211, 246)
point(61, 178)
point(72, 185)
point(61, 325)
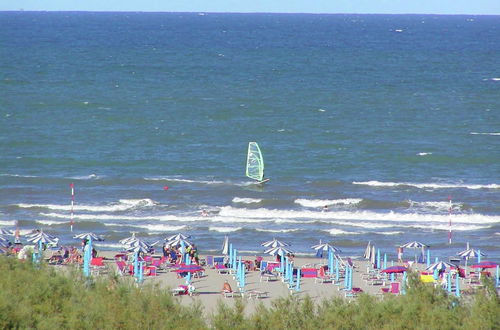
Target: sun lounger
point(222, 269)
point(232, 294)
point(323, 277)
point(257, 294)
point(268, 276)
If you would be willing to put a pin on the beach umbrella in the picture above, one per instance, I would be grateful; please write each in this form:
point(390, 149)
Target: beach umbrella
point(127, 240)
point(3, 239)
point(373, 256)
point(7, 232)
point(485, 264)
point(414, 245)
point(368, 251)
point(394, 269)
point(278, 250)
point(441, 265)
point(179, 242)
point(324, 248)
point(4, 244)
point(225, 246)
point(43, 238)
point(138, 249)
point(88, 236)
point(469, 253)
point(178, 236)
point(274, 243)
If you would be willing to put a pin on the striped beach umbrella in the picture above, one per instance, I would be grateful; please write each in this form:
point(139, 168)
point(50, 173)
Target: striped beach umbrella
point(469, 253)
point(6, 232)
point(414, 245)
point(43, 238)
point(281, 250)
point(274, 243)
point(368, 251)
point(127, 240)
point(89, 235)
point(441, 265)
point(138, 249)
point(324, 248)
point(179, 242)
point(176, 237)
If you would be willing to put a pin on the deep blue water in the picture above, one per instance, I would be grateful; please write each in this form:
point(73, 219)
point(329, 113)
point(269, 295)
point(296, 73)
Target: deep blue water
point(381, 117)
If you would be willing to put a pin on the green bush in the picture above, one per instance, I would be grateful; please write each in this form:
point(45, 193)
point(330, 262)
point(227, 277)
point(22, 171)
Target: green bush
point(38, 297)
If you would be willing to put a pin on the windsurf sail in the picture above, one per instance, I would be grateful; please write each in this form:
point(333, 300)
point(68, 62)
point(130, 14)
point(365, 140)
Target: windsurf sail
point(255, 162)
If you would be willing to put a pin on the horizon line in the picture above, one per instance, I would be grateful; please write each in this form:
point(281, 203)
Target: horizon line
point(240, 12)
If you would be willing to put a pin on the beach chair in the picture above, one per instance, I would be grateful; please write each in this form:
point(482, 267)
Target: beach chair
point(395, 288)
point(121, 268)
point(322, 276)
point(210, 261)
point(222, 269)
point(268, 275)
point(97, 265)
point(151, 271)
point(180, 290)
point(232, 294)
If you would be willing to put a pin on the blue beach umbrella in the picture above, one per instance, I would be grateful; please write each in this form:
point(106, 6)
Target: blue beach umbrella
point(470, 253)
point(176, 237)
point(6, 232)
point(440, 265)
point(89, 235)
point(278, 250)
point(274, 243)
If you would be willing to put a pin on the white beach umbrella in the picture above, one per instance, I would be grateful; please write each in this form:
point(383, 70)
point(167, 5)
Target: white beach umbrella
point(138, 248)
point(373, 255)
point(274, 243)
point(368, 251)
point(281, 250)
point(127, 240)
point(470, 253)
point(88, 236)
point(225, 246)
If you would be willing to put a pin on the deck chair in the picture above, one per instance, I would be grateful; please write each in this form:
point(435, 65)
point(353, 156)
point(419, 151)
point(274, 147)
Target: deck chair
point(222, 269)
point(232, 294)
point(322, 276)
point(394, 288)
point(210, 261)
point(97, 265)
point(121, 268)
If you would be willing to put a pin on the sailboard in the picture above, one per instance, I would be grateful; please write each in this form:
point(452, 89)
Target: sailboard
point(255, 163)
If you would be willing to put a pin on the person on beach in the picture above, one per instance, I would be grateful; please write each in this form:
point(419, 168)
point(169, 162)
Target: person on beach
point(226, 288)
point(400, 254)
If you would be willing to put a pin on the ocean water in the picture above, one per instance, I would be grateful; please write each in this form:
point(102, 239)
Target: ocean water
point(383, 118)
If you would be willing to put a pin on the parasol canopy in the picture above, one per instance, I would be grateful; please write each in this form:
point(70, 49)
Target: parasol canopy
point(89, 235)
point(394, 269)
point(274, 243)
point(441, 265)
point(281, 250)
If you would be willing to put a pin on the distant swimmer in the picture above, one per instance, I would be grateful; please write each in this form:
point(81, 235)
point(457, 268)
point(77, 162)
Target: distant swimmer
point(325, 208)
point(204, 213)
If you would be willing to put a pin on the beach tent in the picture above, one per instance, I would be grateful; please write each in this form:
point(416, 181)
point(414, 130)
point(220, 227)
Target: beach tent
point(274, 243)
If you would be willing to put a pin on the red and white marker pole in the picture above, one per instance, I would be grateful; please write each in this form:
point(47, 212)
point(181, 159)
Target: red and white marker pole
point(71, 222)
point(449, 214)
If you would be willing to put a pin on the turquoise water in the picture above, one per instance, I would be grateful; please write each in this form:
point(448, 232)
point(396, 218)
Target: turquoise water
point(380, 117)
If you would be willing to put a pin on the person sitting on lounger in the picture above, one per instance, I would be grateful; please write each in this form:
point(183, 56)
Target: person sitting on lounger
point(226, 288)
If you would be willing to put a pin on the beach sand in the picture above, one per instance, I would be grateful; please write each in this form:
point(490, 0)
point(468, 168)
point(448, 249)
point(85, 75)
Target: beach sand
point(208, 287)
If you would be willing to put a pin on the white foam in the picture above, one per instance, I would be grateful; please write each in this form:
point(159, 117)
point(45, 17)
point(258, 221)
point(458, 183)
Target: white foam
point(118, 217)
point(160, 227)
point(318, 203)
point(454, 227)
point(335, 231)
point(276, 230)
point(109, 245)
point(367, 225)
point(309, 216)
point(87, 177)
point(122, 205)
point(8, 223)
point(246, 200)
point(224, 229)
point(19, 175)
point(495, 79)
point(424, 153)
point(428, 185)
point(51, 222)
point(485, 133)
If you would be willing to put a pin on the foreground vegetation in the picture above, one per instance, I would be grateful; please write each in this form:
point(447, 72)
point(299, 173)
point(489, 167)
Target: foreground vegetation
point(40, 298)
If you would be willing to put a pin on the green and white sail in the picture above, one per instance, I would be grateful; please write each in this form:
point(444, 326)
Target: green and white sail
point(255, 162)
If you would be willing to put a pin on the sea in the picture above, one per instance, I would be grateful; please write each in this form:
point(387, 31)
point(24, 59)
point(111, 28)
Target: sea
point(391, 121)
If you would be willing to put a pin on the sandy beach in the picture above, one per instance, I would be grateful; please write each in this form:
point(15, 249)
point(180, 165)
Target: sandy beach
point(208, 287)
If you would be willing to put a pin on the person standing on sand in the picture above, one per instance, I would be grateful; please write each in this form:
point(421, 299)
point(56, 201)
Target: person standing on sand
point(400, 254)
